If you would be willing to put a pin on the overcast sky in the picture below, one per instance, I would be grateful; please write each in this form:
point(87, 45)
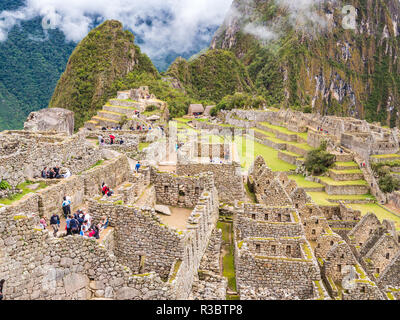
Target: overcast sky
point(172, 25)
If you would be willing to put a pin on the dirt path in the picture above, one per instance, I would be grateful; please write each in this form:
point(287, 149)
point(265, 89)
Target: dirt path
point(178, 218)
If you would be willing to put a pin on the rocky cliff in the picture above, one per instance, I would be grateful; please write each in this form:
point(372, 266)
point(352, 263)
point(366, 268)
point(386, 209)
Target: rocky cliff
point(298, 54)
point(106, 55)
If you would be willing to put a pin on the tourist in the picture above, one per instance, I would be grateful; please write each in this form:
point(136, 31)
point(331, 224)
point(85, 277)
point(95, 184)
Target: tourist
point(87, 217)
point(112, 138)
point(104, 189)
point(43, 223)
point(44, 173)
point(74, 226)
point(55, 223)
point(121, 141)
point(137, 167)
point(51, 174)
point(56, 170)
point(95, 232)
point(1, 288)
point(66, 206)
point(100, 138)
point(103, 223)
point(68, 225)
point(84, 227)
point(67, 174)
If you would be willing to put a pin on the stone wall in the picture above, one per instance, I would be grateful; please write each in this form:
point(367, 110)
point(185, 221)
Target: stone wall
point(227, 177)
point(41, 151)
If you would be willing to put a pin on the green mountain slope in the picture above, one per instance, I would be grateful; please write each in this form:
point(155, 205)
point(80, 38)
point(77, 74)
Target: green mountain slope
point(332, 70)
point(211, 75)
point(106, 54)
point(30, 65)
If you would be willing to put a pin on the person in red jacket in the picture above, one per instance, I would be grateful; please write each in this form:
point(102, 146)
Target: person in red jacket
point(112, 138)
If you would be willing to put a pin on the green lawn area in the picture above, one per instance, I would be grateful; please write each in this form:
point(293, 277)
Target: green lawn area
point(321, 198)
point(384, 156)
point(269, 134)
point(291, 153)
point(346, 164)
point(303, 183)
point(351, 171)
point(270, 156)
point(228, 259)
point(302, 135)
point(143, 145)
point(183, 120)
point(332, 182)
point(380, 212)
point(25, 190)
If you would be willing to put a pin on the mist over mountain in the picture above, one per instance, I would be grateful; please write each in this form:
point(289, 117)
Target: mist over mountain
point(33, 58)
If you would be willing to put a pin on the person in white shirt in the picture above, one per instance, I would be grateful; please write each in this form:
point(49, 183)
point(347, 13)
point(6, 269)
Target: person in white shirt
point(67, 174)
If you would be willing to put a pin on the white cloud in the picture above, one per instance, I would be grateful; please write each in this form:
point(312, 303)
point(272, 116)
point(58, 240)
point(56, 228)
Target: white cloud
point(176, 25)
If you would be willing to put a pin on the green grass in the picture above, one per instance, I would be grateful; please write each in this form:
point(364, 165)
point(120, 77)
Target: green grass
point(250, 194)
point(270, 156)
point(380, 212)
point(228, 259)
point(384, 156)
point(346, 164)
point(25, 190)
point(351, 171)
point(98, 163)
point(302, 135)
point(303, 183)
point(332, 182)
point(321, 198)
point(143, 145)
point(291, 153)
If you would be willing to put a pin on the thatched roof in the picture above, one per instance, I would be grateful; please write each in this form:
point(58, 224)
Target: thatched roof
point(195, 108)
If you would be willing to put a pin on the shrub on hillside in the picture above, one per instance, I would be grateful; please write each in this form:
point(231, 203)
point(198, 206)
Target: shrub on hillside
point(388, 184)
point(4, 185)
point(318, 161)
point(239, 101)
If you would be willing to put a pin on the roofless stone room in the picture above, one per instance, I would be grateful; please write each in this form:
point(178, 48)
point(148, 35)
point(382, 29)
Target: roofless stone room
point(238, 151)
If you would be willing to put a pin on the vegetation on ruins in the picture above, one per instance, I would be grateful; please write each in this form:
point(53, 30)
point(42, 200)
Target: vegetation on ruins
point(318, 161)
point(24, 190)
point(212, 75)
point(4, 185)
point(239, 101)
point(386, 179)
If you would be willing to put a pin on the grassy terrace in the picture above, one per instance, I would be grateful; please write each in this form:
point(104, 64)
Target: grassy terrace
point(386, 156)
point(25, 190)
point(270, 155)
point(379, 211)
point(302, 135)
point(351, 171)
point(322, 198)
point(346, 164)
point(143, 145)
point(332, 182)
point(272, 137)
point(303, 183)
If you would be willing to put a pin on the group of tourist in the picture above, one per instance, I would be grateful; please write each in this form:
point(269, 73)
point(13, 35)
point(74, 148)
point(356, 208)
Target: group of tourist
point(111, 128)
point(55, 173)
point(321, 130)
point(102, 141)
point(79, 223)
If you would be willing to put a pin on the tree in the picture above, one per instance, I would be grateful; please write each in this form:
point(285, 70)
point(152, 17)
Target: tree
point(318, 161)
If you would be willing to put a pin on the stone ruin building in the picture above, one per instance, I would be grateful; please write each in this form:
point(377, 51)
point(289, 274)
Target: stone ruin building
point(165, 239)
